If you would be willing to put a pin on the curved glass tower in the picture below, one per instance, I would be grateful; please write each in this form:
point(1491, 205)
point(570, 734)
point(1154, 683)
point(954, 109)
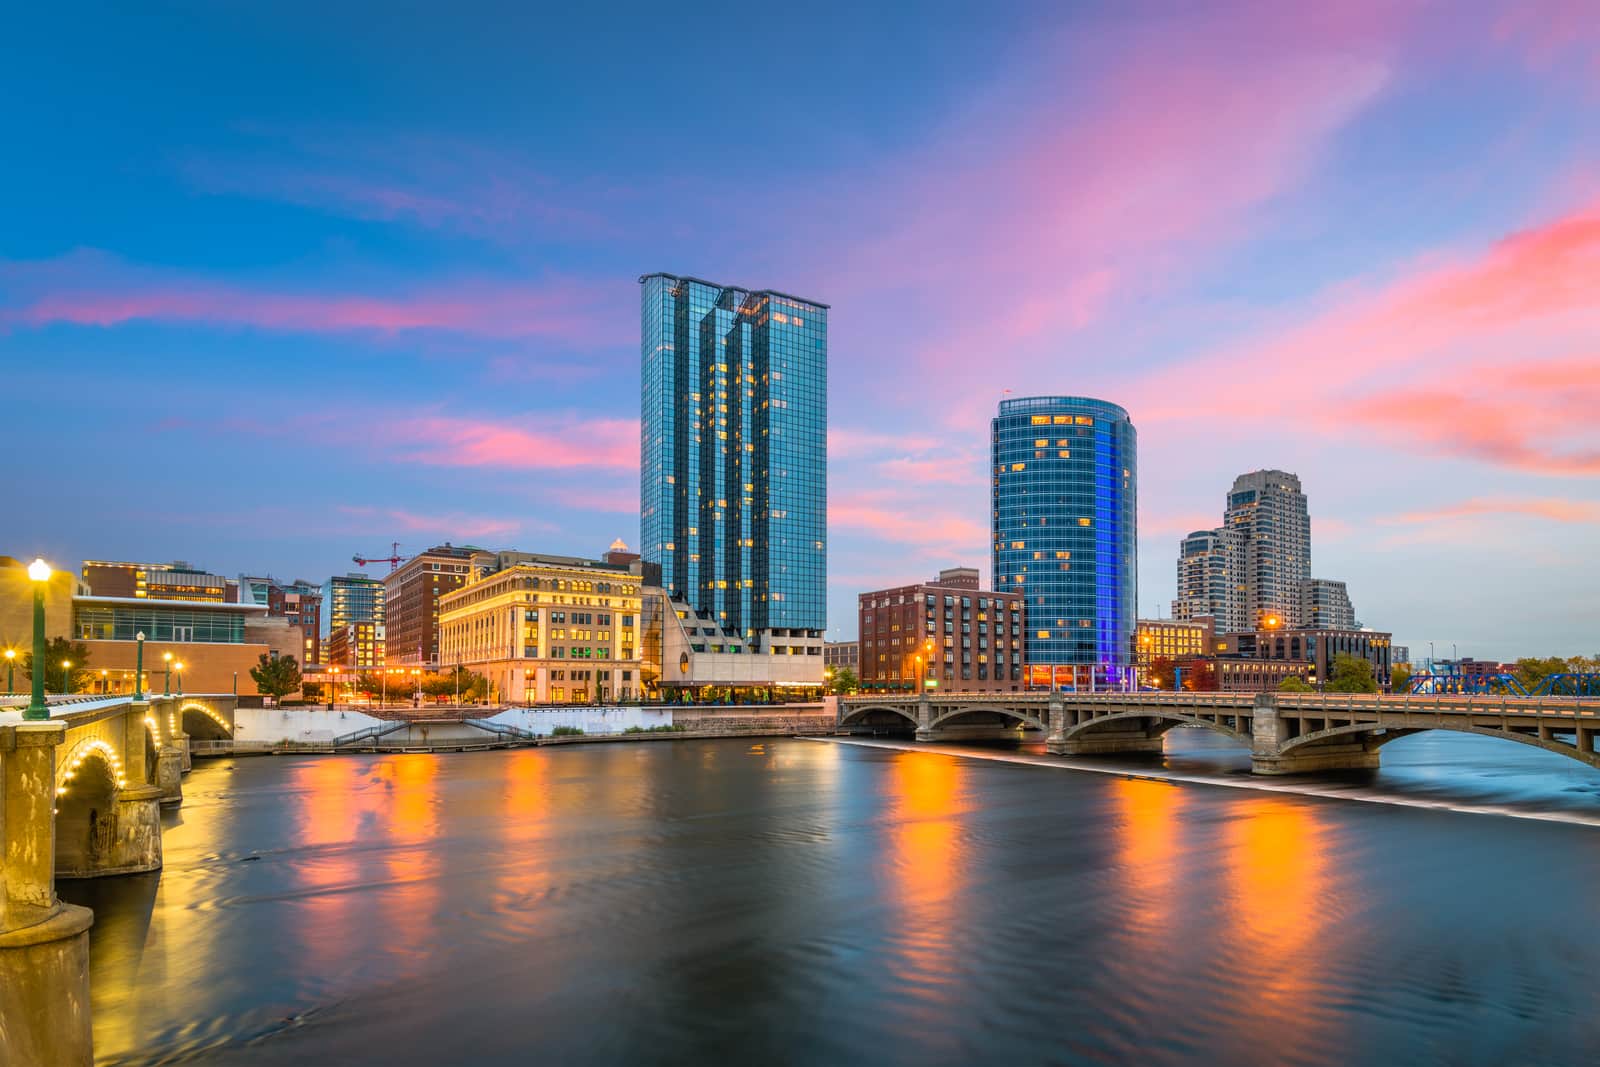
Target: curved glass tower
point(1064, 474)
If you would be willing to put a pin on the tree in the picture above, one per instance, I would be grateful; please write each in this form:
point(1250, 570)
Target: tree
point(57, 652)
point(1200, 676)
point(1159, 674)
point(1294, 684)
point(276, 676)
point(1531, 670)
point(845, 681)
point(1400, 679)
point(1352, 674)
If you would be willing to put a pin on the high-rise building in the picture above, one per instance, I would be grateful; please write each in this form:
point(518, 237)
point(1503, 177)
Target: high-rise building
point(1325, 605)
point(411, 602)
point(354, 598)
point(947, 631)
point(733, 465)
point(1268, 509)
point(1064, 476)
point(1211, 579)
point(299, 601)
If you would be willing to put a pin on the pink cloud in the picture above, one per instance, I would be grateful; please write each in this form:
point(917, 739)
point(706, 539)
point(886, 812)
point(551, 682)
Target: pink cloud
point(541, 442)
point(447, 524)
point(91, 289)
point(907, 522)
point(1553, 509)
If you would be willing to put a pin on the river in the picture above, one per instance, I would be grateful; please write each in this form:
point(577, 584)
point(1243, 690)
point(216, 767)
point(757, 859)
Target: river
point(812, 902)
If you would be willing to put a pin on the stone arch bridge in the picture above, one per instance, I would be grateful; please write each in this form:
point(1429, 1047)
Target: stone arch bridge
point(80, 797)
point(1286, 733)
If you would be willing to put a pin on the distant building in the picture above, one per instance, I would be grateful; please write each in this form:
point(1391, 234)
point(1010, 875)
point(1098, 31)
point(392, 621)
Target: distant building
point(947, 631)
point(1211, 581)
point(155, 581)
point(1063, 472)
point(1325, 605)
point(838, 655)
point(299, 602)
point(1399, 654)
point(1322, 646)
point(1235, 675)
point(686, 656)
point(1172, 639)
point(545, 629)
point(354, 598)
point(356, 646)
point(733, 473)
point(411, 602)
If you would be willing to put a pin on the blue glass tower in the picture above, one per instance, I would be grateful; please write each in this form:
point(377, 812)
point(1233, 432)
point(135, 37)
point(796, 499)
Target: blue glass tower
point(1064, 477)
point(734, 454)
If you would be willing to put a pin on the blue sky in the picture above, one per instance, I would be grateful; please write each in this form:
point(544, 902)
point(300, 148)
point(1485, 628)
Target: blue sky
point(280, 285)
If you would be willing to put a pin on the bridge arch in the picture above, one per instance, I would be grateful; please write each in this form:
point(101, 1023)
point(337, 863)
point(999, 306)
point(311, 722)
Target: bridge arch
point(1379, 735)
point(1156, 721)
point(203, 723)
point(1020, 718)
point(88, 784)
point(857, 715)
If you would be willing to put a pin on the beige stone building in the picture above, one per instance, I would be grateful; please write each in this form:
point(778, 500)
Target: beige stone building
point(545, 629)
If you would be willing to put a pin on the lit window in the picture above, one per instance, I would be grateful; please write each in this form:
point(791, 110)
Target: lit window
point(1041, 420)
point(1043, 635)
point(1018, 466)
point(1042, 442)
point(1083, 522)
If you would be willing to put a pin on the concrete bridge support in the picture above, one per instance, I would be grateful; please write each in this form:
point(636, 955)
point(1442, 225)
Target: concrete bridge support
point(1137, 735)
point(108, 805)
point(44, 944)
point(1271, 734)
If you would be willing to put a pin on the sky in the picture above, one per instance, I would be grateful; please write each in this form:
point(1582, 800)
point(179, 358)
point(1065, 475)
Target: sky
point(282, 284)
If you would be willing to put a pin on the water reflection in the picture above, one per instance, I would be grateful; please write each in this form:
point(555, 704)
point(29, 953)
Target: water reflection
point(925, 872)
point(1147, 835)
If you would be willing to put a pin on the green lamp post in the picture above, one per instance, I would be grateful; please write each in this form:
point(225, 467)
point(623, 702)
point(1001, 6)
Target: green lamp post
point(166, 674)
point(178, 666)
point(66, 677)
point(39, 572)
point(138, 666)
point(11, 671)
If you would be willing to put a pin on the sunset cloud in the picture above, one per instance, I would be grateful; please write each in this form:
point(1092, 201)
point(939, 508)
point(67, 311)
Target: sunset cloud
point(1551, 509)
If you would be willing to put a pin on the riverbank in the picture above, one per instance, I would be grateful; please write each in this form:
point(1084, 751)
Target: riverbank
point(300, 731)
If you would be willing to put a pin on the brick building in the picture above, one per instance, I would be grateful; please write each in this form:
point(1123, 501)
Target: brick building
point(947, 631)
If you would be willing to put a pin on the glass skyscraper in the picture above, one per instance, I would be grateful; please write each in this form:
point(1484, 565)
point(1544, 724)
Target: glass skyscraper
point(733, 464)
point(1064, 475)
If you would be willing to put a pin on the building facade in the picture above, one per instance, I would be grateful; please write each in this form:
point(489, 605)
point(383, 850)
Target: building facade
point(1268, 509)
point(358, 646)
point(299, 602)
point(354, 598)
point(155, 581)
point(1064, 485)
point(1172, 639)
point(545, 629)
point(947, 632)
point(411, 602)
point(1325, 605)
point(1211, 579)
point(733, 463)
point(840, 655)
point(1321, 647)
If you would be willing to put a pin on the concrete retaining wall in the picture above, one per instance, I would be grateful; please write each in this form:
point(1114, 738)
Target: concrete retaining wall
point(304, 725)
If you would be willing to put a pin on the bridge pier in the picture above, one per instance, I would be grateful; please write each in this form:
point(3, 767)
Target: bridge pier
point(44, 943)
point(1270, 735)
point(105, 836)
point(169, 774)
point(925, 718)
point(1133, 736)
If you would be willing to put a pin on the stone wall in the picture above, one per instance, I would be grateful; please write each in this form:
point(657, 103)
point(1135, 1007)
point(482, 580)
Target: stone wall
point(755, 721)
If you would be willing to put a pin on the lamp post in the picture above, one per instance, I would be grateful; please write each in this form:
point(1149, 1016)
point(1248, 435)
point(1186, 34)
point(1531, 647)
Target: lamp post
point(138, 666)
point(179, 668)
point(66, 677)
point(166, 674)
point(39, 573)
point(333, 681)
point(11, 671)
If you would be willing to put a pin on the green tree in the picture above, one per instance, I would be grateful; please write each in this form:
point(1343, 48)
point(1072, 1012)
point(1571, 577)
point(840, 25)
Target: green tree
point(1531, 670)
point(1400, 679)
point(1352, 674)
point(1294, 684)
point(845, 681)
point(58, 651)
point(276, 676)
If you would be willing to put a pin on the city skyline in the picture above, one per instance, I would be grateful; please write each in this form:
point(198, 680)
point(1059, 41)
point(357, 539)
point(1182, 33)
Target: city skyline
point(273, 304)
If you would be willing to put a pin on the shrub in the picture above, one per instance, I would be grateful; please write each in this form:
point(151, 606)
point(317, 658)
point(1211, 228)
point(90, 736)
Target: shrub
point(566, 731)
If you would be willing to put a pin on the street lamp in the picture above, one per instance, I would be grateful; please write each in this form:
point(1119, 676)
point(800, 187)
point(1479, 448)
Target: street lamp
point(39, 573)
point(166, 675)
point(11, 671)
point(66, 677)
point(179, 668)
point(138, 666)
point(333, 682)
point(105, 681)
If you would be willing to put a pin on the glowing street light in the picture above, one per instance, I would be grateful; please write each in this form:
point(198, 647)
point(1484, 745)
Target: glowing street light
point(333, 683)
point(11, 671)
point(166, 675)
point(39, 574)
point(66, 677)
point(178, 666)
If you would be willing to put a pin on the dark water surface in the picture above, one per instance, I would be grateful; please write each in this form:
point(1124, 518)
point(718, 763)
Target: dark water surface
point(794, 902)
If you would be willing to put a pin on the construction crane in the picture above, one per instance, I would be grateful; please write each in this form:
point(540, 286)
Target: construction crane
point(393, 559)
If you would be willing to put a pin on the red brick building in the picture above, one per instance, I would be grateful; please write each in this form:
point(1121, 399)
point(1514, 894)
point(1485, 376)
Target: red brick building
point(948, 631)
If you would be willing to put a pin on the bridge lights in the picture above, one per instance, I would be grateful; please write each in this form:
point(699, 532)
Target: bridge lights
point(39, 574)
